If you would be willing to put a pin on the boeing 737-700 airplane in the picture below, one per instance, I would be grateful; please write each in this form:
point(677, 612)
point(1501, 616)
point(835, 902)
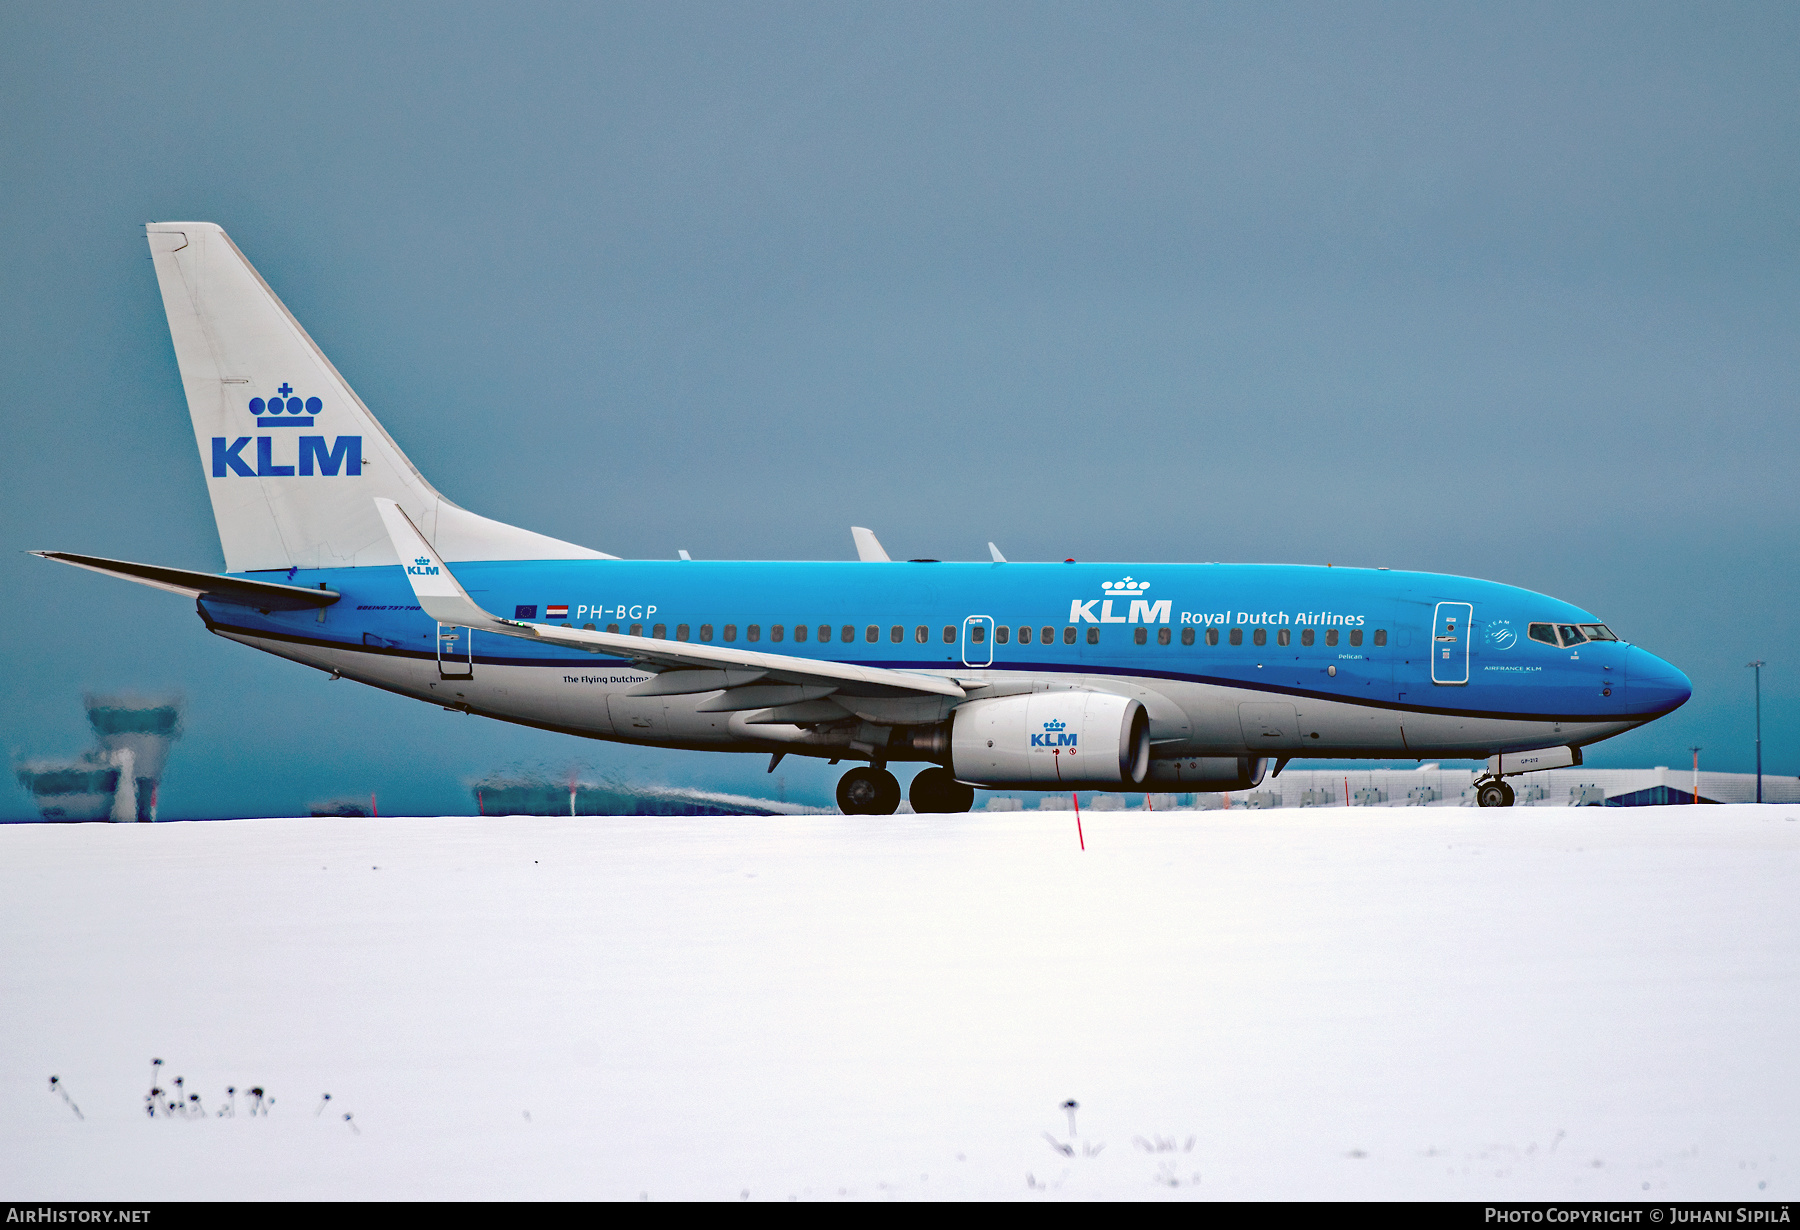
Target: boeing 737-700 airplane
point(1022, 676)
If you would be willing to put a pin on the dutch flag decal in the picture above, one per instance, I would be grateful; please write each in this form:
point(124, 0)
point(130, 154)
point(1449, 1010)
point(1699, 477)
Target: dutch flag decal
point(556, 611)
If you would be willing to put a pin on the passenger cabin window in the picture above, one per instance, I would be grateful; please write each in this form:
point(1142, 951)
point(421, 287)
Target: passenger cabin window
point(847, 633)
point(753, 632)
point(1069, 635)
point(1237, 636)
point(1140, 635)
point(660, 632)
point(1355, 637)
point(1381, 636)
point(613, 628)
point(921, 634)
point(977, 634)
point(1024, 635)
point(1212, 636)
point(1331, 638)
point(1306, 637)
point(706, 633)
point(681, 632)
point(1187, 636)
point(1162, 636)
point(1002, 634)
point(799, 633)
point(1259, 636)
point(777, 631)
point(949, 634)
point(1283, 636)
point(637, 630)
point(871, 634)
point(1093, 637)
point(1047, 635)
point(896, 634)
point(587, 627)
point(730, 633)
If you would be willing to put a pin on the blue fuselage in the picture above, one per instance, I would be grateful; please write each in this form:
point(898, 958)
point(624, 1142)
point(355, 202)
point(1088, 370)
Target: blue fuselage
point(1445, 661)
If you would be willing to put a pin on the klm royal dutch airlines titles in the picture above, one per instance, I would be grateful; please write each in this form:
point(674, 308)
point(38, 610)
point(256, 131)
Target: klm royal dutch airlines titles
point(341, 556)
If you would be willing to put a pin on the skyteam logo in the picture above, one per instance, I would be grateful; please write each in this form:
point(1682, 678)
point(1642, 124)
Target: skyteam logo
point(422, 567)
point(1054, 736)
point(285, 410)
point(1141, 611)
point(312, 454)
point(1502, 635)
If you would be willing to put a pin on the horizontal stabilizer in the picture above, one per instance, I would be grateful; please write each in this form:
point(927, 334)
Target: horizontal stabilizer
point(262, 595)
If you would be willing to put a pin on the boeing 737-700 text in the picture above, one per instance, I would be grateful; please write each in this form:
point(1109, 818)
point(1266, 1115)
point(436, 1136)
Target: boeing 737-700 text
point(1023, 676)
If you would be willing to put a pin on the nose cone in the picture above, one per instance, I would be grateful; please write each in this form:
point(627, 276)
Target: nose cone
point(1655, 687)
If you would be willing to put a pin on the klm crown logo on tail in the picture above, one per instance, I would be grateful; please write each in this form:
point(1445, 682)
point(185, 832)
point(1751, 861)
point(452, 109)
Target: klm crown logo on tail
point(313, 457)
point(268, 414)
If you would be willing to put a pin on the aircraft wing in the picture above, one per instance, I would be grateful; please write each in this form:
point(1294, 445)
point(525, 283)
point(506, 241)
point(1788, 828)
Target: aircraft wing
point(262, 595)
point(443, 598)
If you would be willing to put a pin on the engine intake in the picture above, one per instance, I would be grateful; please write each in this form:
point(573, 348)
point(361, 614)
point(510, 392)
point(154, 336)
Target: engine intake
point(1049, 739)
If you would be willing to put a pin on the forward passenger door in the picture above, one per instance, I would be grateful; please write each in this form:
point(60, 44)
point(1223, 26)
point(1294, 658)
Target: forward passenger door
point(1450, 642)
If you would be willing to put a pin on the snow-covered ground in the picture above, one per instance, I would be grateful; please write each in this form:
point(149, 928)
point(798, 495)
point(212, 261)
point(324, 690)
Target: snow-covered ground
point(1417, 1003)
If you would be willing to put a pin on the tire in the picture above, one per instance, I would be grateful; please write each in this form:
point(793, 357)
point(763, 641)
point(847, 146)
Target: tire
point(1494, 794)
point(868, 792)
point(935, 791)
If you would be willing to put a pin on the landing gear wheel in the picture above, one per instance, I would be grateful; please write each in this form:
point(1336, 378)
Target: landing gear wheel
point(935, 790)
point(1494, 794)
point(868, 792)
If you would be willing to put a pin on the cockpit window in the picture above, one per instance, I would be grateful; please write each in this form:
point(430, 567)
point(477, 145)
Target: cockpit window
point(1567, 635)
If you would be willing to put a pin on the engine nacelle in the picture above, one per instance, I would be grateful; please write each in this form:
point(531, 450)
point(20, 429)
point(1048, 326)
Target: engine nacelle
point(1211, 774)
point(1050, 739)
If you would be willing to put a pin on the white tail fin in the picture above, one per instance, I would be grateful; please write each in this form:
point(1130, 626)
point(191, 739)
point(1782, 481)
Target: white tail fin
point(293, 458)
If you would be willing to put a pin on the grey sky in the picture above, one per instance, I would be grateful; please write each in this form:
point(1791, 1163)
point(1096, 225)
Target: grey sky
point(1499, 290)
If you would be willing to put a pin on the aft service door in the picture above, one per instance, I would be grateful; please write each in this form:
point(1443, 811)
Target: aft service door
point(1450, 642)
point(978, 640)
point(455, 652)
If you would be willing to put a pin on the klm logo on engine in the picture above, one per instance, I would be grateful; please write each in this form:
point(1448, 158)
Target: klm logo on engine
point(312, 455)
point(1054, 736)
point(422, 567)
point(1141, 610)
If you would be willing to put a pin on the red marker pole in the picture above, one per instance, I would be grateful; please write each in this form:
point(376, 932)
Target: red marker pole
point(1073, 797)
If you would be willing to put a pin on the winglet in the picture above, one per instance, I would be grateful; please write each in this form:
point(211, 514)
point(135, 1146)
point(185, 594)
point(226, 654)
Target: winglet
point(868, 547)
point(440, 594)
point(995, 552)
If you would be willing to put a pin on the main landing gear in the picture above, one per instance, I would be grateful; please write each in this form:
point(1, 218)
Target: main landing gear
point(1493, 793)
point(935, 790)
point(868, 791)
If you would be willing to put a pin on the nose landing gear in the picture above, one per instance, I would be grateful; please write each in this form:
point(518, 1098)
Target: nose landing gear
point(1493, 793)
point(868, 791)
